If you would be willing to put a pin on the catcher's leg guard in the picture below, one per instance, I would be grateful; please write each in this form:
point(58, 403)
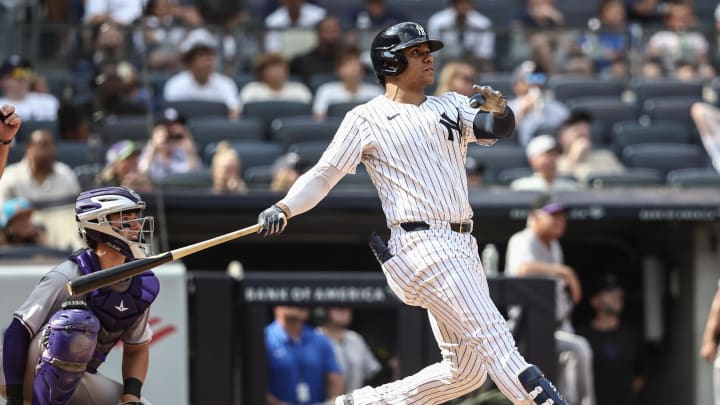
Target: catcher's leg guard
point(541, 390)
point(68, 343)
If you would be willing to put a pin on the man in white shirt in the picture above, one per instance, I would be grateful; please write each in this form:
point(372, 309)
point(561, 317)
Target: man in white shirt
point(465, 32)
point(542, 153)
point(272, 84)
point(15, 76)
point(38, 177)
point(349, 88)
point(122, 12)
point(292, 14)
point(201, 82)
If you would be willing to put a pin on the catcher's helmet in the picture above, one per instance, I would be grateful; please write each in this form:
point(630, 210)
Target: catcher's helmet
point(385, 50)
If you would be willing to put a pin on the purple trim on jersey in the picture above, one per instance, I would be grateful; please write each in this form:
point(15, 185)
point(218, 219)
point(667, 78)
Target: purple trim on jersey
point(15, 350)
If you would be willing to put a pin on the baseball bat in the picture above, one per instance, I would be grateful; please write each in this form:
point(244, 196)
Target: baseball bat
point(106, 277)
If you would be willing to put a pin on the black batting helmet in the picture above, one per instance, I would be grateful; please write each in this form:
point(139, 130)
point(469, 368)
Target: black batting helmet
point(385, 50)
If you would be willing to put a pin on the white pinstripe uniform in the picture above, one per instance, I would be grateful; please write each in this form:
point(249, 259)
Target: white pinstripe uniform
point(415, 156)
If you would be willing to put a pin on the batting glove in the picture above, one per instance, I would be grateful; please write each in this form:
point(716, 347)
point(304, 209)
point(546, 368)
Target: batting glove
point(272, 221)
point(487, 99)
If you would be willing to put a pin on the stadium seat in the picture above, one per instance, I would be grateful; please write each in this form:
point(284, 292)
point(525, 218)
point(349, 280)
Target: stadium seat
point(16, 152)
point(497, 11)
point(198, 108)
point(87, 174)
point(605, 113)
point(206, 130)
point(309, 152)
point(565, 88)
point(340, 109)
point(645, 89)
point(32, 252)
point(252, 153)
point(671, 109)
point(258, 177)
point(497, 158)
point(267, 111)
point(631, 133)
point(503, 82)
point(134, 127)
point(691, 178)
point(664, 157)
point(157, 80)
point(419, 10)
point(29, 126)
point(507, 176)
point(631, 177)
point(289, 130)
point(577, 13)
point(243, 78)
point(319, 79)
point(77, 153)
point(196, 179)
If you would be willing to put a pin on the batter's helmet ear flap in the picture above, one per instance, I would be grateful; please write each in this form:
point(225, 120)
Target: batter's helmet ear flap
point(393, 63)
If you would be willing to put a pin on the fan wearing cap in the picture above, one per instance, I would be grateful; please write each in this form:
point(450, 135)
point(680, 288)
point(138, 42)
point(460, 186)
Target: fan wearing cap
point(533, 107)
point(17, 225)
point(579, 159)
point(536, 251)
point(171, 148)
point(618, 354)
point(542, 153)
point(121, 168)
point(16, 76)
point(199, 81)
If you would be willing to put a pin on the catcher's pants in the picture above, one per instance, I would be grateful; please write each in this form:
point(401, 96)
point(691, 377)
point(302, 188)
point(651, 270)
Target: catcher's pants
point(440, 270)
point(575, 377)
point(94, 389)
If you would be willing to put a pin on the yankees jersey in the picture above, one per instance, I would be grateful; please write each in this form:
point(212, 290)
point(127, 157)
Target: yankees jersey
point(414, 154)
point(47, 298)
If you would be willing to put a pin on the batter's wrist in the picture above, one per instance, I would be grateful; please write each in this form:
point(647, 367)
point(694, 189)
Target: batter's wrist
point(132, 386)
point(284, 208)
point(502, 114)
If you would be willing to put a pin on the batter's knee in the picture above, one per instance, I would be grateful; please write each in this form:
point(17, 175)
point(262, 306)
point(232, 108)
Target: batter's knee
point(468, 376)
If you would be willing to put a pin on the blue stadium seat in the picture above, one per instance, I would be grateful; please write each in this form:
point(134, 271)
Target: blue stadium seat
point(258, 177)
point(632, 177)
point(252, 153)
point(28, 127)
point(198, 108)
point(77, 153)
point(631, 133)
point(267, 111)
point(309, 152)
point(497, 158)
point(565, 88)
point(675, 109)
point(87, 174)
point(134, 127)
point(207, 130)
point(605, 112)
point(692, 178)
point(340, 109)
point(290, 130)
point(193, 180)
point(664, 157)
point(645, 89)
point(503, 82)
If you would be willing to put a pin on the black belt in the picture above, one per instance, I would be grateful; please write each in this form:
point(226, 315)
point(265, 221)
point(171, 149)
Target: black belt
point(462, 227)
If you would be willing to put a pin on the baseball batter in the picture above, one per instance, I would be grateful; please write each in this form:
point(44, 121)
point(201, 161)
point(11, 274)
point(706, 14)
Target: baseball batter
point(55, 343)
point(414, 149)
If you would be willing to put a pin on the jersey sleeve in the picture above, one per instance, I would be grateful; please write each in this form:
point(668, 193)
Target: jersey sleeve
point(44, 300)
point(139, 332)
point(346, 149)
point(466, 114)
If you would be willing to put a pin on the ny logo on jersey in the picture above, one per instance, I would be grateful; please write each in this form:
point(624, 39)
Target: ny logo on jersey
point(450, 125)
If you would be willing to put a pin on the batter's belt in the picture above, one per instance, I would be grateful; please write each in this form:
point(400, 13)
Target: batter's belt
point(461, 227)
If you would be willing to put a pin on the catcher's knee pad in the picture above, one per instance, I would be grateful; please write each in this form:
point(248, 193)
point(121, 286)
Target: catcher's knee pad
point(541, 390)
point(68, 343)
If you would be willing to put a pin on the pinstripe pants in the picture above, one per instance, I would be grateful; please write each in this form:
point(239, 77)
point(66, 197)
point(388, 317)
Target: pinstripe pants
point(440, 270)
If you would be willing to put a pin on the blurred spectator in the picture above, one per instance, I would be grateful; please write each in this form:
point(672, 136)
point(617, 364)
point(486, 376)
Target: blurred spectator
point(475, 171)
point(604, 43)
point(271, 82)
point(542, 153)
point(17, 225)
point(466, 33)
point(38, 177)
point(617, 347)
point(302, 368)
point(171, 148)
point(687, 70)
point(292, 14)
point(163, 26)
point(579, 159)
point(200, 81)
point(9, 126)
point(227, 170)
point(540, 20)
point(532, 106)
point(356, 360)
point(458, 76)
point(286, 169)
point(679, 40)
point(16, 75)
point(323, 57)
point(350, 87)
point(117, 91)
point(73, 124)
point(652, 68)
point(647, 12)
point(121, 167)
point(116, 11)
point(536, 251)
point(374, 14)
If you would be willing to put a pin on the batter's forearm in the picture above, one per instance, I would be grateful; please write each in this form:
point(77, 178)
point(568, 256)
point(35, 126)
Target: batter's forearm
point(310, 188)
point(713, 320)
point(135, 363)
